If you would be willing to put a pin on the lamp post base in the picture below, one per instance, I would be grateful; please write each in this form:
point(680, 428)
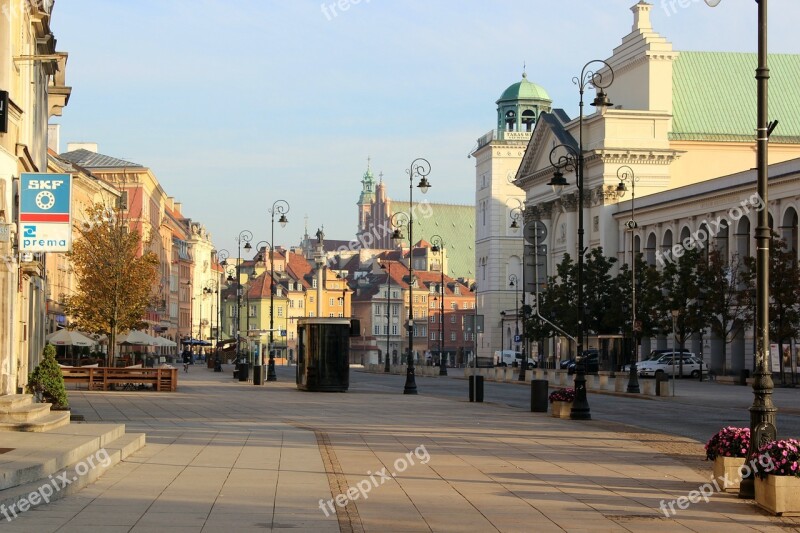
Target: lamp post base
point(633, 380)
point(411, 383)
point(580, 407)
point(271, 375)
point(442, 367)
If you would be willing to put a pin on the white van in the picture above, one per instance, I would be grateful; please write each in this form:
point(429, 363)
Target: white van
point(510, 358)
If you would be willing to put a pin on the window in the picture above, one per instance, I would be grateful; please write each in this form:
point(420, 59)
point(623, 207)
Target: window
point(341, 315)
point(424, 299)
point(330, 315)
point(291, 335)
point(395, 309)
point(330, 302)
point(452, 335)
point(280, 310)
point(253, 311)
point(376, 330)
point(314, 283)
point(300, 303)
point(454, 306)
point(433, 319)
point(394, 294)
point(465, 306)
point(291, 304)
point(452, 319)
point(311, 299)
point(394, 329)
point(377, 310)
point(472, 305)
point(385, 330)
point(433, 335)
point(311, 314)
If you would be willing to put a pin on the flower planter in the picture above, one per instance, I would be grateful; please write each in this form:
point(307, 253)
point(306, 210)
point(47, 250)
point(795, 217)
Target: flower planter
point(728, 466)
point(780, 495)
point(561, 409)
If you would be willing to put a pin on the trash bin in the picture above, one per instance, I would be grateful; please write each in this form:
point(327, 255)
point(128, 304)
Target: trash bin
point(471, 388)
point(661, 377)
point(743, 376)
point(244, 371)
point(539, 397)
point(259, 375)
point(479, 389)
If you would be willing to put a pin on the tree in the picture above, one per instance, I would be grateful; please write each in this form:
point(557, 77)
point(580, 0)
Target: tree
point(680, 289)
point(727, 288)
point(115, 278)
point(648, 298)
point(47, 382)
point(784, 290)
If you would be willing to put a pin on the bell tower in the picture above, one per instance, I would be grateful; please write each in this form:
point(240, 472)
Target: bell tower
point(366, 200)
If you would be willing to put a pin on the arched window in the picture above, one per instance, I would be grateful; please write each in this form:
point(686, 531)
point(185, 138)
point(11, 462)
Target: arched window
point(528, 118)
point(650, 250)
point(743, 237)
point(511, 120)
point(789, 229)
point(721, 239)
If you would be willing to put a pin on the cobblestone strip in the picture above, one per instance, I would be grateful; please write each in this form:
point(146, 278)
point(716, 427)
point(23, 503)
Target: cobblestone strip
point(348, 517)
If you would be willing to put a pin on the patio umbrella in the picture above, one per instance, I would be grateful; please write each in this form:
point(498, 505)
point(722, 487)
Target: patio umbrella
point(161, 341)
point(137, 337)
point(64, 337)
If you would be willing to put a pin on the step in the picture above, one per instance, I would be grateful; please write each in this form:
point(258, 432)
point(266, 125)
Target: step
point(77, 475)
point(14, 401)
point(37, 455)
point(48, 422)
point(24, 413)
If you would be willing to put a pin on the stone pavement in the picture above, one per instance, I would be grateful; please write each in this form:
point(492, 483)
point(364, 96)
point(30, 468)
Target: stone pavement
point(223, 455)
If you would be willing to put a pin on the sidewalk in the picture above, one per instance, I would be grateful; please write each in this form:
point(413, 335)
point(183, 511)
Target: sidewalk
point(229, 456)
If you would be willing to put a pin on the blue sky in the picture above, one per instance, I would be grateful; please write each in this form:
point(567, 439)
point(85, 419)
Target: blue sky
point(237, 103)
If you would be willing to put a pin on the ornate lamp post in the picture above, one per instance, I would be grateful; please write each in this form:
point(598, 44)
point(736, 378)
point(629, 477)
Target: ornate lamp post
point(516, 214)
point(574, 160)
point(388, 268)
point(281, 207)
point(625, 174)
point(245, 237)
point(419, 168)
point(502, 331)
point(512, 282)
point(222, 257)
point(438, 247)
point(212, 287)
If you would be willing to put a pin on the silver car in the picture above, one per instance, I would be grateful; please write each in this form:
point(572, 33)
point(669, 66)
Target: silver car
point(683, 364)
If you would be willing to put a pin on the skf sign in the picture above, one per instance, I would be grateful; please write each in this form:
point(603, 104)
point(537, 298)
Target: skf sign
point(3, 111)
point(44, 213)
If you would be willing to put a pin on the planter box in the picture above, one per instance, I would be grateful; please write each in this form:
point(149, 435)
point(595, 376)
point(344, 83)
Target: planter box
point(729, 466)
point(560, 409)
point(780, 495)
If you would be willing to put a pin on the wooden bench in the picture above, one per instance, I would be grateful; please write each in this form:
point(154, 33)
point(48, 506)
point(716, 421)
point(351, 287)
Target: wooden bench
point(103, 378)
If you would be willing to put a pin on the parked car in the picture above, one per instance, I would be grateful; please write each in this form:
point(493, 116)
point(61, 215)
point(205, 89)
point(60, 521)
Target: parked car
point(511, 358)
point(672, 364)
point(566, 362)
point(591, 360)
point(652, 356)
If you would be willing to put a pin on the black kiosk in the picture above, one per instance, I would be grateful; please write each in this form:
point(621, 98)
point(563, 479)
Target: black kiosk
point(323, 354)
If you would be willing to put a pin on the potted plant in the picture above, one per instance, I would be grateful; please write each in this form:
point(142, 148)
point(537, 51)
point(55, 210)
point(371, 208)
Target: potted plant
point(46, 381)
point(561, 400)
point(777, 484)
point(728, 449)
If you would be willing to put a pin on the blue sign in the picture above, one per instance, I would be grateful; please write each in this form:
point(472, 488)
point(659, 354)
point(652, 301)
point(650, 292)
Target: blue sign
point(283, 333)
point(517, 338)
point(44, 212)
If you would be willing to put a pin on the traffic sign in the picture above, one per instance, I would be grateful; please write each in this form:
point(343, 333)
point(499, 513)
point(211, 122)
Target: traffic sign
point(517, 338)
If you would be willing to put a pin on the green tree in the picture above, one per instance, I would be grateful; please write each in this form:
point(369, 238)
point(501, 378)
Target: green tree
point(680, 289)
point(47, 382)
point(115, 274)
point(727, 290)
point(648, 298)
point(601, 300)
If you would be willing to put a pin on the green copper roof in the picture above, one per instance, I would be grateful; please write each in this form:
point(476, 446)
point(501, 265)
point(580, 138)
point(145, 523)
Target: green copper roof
point(455, 224)
point(714, 96)
point(524, 90)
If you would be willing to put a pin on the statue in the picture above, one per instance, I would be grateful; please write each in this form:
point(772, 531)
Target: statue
point(320, 236)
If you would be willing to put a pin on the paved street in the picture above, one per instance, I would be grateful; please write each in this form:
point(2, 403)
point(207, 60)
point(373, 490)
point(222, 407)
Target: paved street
point(224, 455)
point(701, 408)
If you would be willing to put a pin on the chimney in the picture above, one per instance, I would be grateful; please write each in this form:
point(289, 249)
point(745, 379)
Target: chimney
point(641, 17)
point(54, 137)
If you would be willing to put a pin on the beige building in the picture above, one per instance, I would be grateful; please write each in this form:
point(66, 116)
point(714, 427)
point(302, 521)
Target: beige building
point(681, 122)
point(32, 87)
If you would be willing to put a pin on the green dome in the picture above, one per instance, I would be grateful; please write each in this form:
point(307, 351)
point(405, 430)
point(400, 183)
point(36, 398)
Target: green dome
point(524, 90)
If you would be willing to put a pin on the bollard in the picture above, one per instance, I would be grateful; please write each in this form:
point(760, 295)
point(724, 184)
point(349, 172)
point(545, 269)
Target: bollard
point(539, 396)
point(472, 388)
point(660, 378)
point(479, 389)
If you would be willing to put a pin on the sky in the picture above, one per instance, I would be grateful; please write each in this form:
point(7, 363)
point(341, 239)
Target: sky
point(235, 104)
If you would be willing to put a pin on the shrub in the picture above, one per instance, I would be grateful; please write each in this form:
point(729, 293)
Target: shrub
point(562, 395)
point(728, 442)
point(784, 458)
point(47, 381)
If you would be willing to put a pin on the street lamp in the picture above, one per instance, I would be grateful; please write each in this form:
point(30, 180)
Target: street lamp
point(191, 313)
point(512, 282)
point(245, 237)
point(438, 247)
point(574, 160)
point(516, 214)
point(419, 168)
point(388, 268)
point(212, 287)
point(222, 257)
point(502, 332)
point(625, 174)
point(281, 207)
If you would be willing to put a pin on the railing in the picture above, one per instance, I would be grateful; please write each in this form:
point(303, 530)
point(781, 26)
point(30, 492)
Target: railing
point(102, 378)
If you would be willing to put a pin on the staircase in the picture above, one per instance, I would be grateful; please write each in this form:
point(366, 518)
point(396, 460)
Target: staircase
point(37, 445)
point(19, 413)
